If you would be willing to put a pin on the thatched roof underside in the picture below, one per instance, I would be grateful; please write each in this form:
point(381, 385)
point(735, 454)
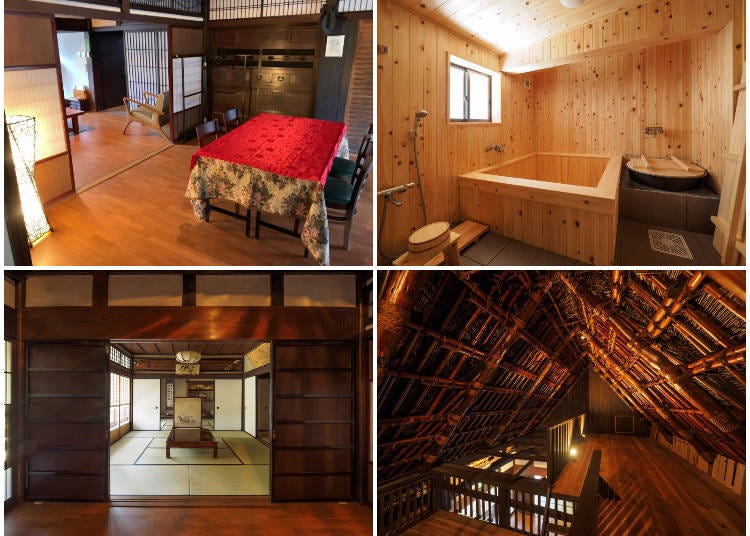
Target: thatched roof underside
point(468, 360)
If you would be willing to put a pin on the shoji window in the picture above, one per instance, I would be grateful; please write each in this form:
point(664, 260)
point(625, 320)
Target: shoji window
point(146, 63)
point(250, 9)
point(119, 405)
point(193, 82)
point(34, 92)
point(6, 389)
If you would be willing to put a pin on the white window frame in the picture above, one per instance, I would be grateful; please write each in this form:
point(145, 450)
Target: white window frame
point(494, 103)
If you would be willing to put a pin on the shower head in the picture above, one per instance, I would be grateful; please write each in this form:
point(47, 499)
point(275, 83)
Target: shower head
point(418, 116)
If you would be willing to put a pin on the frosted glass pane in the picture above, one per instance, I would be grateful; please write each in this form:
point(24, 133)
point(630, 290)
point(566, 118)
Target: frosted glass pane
point(59, 290)
point(145, 289)
point(35, 92)
point(457, 93)
point(335, 290)
point(479, 96)
point(233, 290)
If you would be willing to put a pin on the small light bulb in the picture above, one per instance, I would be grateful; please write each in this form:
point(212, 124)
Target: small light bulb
point(573, 451)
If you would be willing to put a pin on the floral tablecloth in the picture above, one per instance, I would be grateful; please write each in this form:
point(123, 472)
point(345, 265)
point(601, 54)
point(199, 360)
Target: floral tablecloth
point(275, 164)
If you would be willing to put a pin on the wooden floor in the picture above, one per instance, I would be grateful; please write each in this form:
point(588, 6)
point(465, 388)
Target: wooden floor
point(101, 147)
point(142, 217)
point(443, 523)
point(661, 494)
point(284, 519)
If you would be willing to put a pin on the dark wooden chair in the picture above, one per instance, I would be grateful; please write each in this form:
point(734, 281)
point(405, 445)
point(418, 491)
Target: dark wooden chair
point(207, 132)
point(343, 167)
point(231, 119)
point(342, 195)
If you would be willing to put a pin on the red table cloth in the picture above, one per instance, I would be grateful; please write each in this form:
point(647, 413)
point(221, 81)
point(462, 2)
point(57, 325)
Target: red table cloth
point(273, 163)
point(295, 147)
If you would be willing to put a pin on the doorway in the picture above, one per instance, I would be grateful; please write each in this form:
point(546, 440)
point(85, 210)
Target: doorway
point(108, 50)
point(225, 459)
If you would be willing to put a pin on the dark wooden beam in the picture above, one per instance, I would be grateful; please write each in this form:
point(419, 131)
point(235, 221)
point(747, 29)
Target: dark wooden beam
point(179, 323)
point(100, 291)
point(188, 289)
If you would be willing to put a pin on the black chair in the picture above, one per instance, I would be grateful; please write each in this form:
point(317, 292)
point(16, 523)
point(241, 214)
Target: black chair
point(343, 167)
point(231, 119)
point(342, 195)
point(207, 132)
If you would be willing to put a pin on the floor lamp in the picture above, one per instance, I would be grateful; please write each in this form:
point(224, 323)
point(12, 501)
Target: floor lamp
point(22, 132)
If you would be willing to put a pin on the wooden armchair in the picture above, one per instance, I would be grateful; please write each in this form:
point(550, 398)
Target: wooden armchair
point(154, 116)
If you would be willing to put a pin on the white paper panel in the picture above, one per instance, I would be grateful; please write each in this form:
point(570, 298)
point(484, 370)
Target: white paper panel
point(145, 289)
point(334, 290)
point(193, 68)
point(236, 290)
point(35, 92)
point(10, 294)
point(59, 290)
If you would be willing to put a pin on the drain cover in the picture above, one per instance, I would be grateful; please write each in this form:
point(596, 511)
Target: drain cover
point(669, 243)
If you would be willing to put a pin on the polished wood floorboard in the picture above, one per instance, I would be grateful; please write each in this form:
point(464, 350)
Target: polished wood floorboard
point(283, 519)
point(101, 148)
point(661, 494)
point(443, 523)
point(142, 217)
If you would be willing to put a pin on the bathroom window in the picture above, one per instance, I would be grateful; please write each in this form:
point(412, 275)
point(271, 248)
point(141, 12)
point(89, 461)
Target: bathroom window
point(474, 92)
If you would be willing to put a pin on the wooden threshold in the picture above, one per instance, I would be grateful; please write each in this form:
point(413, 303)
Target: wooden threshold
point(233, 501)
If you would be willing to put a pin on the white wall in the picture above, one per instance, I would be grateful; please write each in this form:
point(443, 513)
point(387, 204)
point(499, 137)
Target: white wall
point(250, 407)
point(73, 66)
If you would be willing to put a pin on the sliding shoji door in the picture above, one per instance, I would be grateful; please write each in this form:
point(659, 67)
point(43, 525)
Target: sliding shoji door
point(146, 63)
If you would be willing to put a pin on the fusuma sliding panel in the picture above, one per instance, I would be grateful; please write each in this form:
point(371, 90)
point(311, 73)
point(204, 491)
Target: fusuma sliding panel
point(313, 423)
point(67, 413)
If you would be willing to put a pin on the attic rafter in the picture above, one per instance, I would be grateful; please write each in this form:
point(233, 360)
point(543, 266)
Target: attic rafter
point(497, 355)
point(683, 392)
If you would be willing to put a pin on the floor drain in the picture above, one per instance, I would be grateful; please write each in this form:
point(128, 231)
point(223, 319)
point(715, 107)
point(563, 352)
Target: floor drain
point(669, 243)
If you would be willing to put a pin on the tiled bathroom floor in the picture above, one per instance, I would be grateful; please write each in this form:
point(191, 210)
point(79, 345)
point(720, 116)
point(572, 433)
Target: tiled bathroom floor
point(139, 466)
point(633, 247)
point(497, 250)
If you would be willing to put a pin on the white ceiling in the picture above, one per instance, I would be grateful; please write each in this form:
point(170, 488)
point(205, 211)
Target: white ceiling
point(508, 25)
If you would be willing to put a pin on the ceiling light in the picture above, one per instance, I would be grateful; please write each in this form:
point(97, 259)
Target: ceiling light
point(571, 3)
point(188, 356)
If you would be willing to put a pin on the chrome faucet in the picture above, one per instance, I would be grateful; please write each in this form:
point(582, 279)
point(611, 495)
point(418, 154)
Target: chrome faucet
point(651, 132)
point(497, 147)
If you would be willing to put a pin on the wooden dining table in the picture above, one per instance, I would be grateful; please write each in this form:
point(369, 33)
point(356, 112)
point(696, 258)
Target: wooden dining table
point(272, 163)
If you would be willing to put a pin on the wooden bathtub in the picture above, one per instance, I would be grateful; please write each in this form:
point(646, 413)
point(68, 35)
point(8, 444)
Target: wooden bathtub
point(564, 203)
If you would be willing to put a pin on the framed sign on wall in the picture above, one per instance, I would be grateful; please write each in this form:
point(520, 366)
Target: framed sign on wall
point(170, 393)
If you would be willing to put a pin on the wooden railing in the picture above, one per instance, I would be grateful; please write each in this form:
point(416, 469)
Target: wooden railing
point(522, 505)
point(405, 502)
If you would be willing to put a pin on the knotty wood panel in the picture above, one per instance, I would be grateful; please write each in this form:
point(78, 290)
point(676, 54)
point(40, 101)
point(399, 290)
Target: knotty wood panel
point(413, 76)
point(647, 23)
point(297, 434)
point(601, 105)
point(66, 452)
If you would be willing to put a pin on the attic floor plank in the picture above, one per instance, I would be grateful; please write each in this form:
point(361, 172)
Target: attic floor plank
point(661, 493)
point(142, 217)
point(444, 523)
point(282, 519)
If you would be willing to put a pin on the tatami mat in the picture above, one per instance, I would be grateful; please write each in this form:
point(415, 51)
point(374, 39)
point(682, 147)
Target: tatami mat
point(249, 450)
point(149, 480)
point(139, 466)
point(217, 480)
point(181, 456)
point(127, 450)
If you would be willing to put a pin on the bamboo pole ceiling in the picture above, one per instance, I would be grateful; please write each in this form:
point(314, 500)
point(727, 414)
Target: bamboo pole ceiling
point(468, 360)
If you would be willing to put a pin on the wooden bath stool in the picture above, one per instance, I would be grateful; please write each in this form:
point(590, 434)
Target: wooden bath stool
point(461, 237)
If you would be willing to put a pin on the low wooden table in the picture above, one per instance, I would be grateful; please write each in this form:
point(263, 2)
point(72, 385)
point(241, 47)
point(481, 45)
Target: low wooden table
point(72, 114)
point(207, 441)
